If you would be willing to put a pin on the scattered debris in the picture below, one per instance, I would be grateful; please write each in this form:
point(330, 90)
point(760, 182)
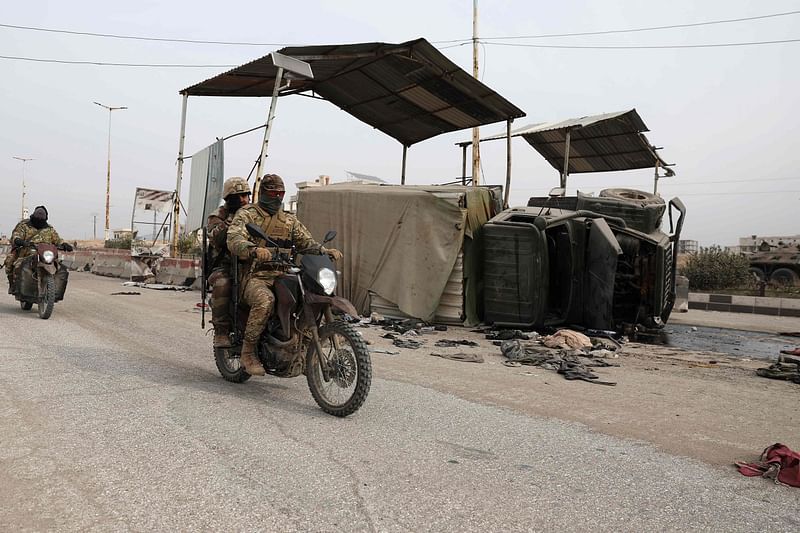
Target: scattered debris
point(508, 334)
point(567, 338)
point(387, 352)
point(448, 343)
point(566, 362)
point(777, 462)
point(465, 357)
point(407, 343)
point(156, 286)
point(126, 293)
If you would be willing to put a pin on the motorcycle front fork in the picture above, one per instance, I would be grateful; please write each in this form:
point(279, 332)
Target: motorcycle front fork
point(325, 364)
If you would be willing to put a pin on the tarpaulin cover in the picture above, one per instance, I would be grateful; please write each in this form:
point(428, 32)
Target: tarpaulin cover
point(398, 242)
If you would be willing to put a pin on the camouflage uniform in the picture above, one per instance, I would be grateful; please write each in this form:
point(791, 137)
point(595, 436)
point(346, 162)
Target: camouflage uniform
point(220, 265)
point(258, 278)
point(25, 231)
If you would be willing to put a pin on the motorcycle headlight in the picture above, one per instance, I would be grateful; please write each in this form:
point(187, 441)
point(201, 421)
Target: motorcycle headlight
point(48, 256)
point(327, 280)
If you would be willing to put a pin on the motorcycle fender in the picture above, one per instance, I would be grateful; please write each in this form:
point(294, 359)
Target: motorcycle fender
point(50, 269)
point(338, 302)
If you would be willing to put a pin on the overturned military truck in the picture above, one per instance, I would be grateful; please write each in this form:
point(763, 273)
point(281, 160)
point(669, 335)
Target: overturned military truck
point(600, 262)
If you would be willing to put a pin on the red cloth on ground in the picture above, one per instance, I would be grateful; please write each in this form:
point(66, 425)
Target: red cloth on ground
point(778, 462)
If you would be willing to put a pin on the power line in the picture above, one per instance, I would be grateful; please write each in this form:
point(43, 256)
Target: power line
point(108, 64)
point(643, 47)
point(467, 40)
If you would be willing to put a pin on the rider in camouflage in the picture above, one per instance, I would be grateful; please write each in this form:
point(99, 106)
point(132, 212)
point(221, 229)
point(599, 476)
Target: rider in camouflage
point(236, 193)
point(34, 230)
point(260, 273)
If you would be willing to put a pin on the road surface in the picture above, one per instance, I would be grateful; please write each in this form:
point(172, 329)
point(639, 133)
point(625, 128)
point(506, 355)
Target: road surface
point(113, 417)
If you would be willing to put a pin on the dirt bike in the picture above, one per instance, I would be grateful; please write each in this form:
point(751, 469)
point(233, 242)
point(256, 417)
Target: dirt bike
point(40, 279)
point(302, 336)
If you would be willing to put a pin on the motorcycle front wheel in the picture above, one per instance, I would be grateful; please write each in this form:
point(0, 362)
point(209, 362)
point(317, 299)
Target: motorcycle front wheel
point(229, 365)
point(349, 372)
point(47, 298)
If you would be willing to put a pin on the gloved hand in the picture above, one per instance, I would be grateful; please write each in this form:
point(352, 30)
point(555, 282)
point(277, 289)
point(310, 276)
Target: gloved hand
point(261, 254)
point(18, 242)
point(334, 254)
point(67, 247)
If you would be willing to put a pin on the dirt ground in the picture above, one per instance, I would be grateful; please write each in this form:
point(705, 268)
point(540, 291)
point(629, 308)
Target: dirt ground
point(703, 405)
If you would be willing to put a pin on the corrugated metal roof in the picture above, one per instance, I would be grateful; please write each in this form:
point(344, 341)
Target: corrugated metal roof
point(410, 91)
point(598, 143)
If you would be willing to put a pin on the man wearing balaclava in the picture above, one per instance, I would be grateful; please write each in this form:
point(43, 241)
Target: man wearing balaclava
point(236, 193)
point(260, 273)
point(34, 230)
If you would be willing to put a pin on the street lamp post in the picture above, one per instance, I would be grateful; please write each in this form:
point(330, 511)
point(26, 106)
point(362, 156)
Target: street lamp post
point(24, 160)
point(108, 172)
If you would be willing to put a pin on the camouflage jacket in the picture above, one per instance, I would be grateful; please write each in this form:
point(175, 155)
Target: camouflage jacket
point(217, 232)
point(286, 230)
point(25, 231)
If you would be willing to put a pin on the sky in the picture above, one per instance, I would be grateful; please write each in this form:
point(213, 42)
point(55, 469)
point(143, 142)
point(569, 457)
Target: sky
point(727, 117)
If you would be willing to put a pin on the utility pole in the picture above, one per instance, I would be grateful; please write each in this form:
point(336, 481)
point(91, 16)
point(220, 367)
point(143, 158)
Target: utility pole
point(24, 160)
point(108, 171)
point(476, 134)
point(94, 226)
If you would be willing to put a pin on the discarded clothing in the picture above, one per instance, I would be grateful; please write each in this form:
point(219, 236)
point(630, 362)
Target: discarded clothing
point(407, 343)
point(778, 462)
point(796, 351)
point(508, 334)
point(567, 339)
point(565, 363)
point(465, 357)
point(781, 371)
point(448, 343)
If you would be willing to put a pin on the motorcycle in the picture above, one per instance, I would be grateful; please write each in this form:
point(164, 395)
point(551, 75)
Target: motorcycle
point(302, 336)
point(40, 279)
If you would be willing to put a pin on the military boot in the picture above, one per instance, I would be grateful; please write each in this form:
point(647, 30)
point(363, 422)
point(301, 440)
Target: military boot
point(249, 360)
point(222, 337)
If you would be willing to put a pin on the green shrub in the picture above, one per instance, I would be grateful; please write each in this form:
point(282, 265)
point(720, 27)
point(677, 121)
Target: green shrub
point(120, 244)
point(713, 268)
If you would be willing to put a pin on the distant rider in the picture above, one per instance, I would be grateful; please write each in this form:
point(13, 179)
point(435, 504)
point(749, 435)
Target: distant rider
point(34, 230)
point(236, 193)
point(260, 274)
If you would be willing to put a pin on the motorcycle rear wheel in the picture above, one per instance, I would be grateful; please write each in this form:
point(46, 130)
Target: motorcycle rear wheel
point(350, 373)
point(229, 366)
point(26, 306)
point(48, 299)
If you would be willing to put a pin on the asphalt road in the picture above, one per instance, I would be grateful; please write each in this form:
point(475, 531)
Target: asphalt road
point(113, 417)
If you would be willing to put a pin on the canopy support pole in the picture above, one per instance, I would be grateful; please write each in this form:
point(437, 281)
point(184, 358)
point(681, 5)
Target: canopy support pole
point(270, 116)
point(176, 208)
point(508, 162)
point(463, 164)
point(655, 178)
point(566, 163)
point(403, 170)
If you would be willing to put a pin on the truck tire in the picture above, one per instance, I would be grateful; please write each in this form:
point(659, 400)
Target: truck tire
point(632, 195)
point(759, 273)
point(784, 277)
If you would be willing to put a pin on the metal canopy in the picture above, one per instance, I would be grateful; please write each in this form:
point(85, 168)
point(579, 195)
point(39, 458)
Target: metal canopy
point(410, 91)
point(598, 143)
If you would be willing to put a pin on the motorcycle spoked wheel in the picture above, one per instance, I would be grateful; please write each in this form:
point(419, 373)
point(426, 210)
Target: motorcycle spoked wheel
point(48, 298)
point(350, 370)
point(229, 366)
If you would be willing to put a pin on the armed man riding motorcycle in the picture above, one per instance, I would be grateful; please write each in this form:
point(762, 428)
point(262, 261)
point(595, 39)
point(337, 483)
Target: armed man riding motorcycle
point(259, 273)
point(29, 232)
point(236, 193)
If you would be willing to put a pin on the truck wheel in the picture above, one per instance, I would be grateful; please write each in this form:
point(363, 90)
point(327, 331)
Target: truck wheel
point(759, 273)
point(784, 277)
point(632, 195)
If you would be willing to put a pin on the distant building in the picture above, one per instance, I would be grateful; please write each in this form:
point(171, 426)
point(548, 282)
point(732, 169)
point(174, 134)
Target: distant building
point(686, 246)
point(321, 181)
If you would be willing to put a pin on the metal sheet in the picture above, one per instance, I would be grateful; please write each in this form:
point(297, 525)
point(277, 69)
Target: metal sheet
point(410, 91)
point(598, 143)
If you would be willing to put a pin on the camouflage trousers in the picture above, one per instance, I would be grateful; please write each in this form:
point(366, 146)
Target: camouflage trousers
point(220, 283)
point(258, 295)
point(11, 258)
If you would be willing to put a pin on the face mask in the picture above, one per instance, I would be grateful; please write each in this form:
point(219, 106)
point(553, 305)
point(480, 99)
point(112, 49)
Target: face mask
point(269, 204)
point(233, 203)
point(39, 218)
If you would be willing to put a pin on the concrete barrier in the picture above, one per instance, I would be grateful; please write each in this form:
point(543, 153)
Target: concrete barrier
point(183, 272)
point(112, 264)
point(681, 294)
point(732, 303)
point(78, 260)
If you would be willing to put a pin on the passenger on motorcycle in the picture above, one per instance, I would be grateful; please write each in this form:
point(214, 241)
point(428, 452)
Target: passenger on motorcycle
point(259, 273)
point(236, 193)
point(35, 230)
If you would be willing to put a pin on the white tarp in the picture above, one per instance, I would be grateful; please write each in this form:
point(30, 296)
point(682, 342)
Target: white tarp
point(153, 200)
point(205, 188)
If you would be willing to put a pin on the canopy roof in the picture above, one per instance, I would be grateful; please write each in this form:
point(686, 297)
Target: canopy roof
point(410, 91)
point(598, 143)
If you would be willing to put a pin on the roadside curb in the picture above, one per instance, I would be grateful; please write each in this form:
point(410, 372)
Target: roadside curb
point(758, 305)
